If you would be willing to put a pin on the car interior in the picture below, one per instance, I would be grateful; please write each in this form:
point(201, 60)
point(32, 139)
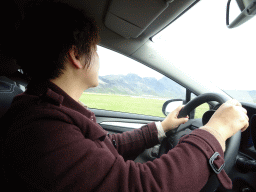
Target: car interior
point(127, 27)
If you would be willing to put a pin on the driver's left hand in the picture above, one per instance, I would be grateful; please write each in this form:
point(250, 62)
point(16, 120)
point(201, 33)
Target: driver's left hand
point(172, 121)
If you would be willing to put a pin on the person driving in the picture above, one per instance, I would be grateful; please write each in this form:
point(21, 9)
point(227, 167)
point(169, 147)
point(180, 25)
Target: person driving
point(54, 142)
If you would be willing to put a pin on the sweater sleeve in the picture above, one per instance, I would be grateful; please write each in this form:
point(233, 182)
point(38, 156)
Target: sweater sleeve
point(59, 158)
point(132, 143)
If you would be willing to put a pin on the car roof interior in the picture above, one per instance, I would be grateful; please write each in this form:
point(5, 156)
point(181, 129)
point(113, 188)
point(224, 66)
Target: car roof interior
point(124, 27)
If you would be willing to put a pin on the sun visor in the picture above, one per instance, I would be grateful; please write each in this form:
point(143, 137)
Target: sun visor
point(130, 18)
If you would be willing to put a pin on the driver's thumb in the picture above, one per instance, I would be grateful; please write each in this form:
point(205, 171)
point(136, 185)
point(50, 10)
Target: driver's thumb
point(183, 120)
point(179, 108)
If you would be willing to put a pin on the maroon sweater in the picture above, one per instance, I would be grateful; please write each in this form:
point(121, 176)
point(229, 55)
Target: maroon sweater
point(55, 144)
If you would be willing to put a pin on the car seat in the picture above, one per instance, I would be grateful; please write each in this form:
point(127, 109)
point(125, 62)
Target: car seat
point(8, 90)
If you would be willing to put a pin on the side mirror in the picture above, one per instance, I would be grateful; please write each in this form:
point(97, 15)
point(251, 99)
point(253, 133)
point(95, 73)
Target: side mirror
point(248, 11)
point(171, 105)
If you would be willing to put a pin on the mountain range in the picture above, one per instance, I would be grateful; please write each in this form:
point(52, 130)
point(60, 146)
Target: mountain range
point(132, 84)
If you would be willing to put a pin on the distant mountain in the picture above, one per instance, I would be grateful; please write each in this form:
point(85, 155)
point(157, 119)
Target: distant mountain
point(132, 84)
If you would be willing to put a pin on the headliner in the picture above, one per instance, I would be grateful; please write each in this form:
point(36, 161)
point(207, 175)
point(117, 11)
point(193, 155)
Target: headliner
point(109, 39)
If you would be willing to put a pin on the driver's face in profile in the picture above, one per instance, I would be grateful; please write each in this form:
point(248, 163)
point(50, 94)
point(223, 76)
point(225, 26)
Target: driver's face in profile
point(91, 74)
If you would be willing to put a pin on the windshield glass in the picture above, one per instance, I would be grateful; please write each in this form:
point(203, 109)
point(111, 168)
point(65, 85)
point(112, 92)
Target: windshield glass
point(200, 43)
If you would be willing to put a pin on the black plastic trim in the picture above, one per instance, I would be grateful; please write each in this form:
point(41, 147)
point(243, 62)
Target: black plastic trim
point(114, 114)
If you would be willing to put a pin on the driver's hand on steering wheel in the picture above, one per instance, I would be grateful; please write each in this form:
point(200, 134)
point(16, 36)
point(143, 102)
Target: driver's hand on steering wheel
point(172, 121)
point(230, 118)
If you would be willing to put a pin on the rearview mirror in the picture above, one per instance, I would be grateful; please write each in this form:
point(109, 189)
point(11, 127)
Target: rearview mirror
point(247, 11)
point(171, 105)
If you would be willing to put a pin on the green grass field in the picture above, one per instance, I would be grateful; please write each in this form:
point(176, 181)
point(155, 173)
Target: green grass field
point(130, 104)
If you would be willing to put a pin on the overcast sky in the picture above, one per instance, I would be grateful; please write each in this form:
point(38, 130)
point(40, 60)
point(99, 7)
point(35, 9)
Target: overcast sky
point(223, 56)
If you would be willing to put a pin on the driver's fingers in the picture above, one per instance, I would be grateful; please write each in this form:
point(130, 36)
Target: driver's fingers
point(244, 110)
point(247, 118)
point(245, 127)
point(234, 102)
point(246, 123)
point(178, 109)
point(238, 104)
point(241, 109)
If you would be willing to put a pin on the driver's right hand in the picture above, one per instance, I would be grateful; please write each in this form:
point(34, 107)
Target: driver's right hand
point(230, 118)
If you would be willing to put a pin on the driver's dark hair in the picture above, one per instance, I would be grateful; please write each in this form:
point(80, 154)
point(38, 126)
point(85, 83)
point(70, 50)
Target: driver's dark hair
point(47, 33)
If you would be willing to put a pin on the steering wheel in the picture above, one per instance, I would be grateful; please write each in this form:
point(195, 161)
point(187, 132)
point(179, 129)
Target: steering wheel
point(173, 136)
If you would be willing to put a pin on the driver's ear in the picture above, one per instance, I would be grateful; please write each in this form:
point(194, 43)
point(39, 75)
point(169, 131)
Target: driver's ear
point(74, 57)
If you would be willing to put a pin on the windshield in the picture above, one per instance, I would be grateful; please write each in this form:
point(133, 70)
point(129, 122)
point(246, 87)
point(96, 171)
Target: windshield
point(201, 44)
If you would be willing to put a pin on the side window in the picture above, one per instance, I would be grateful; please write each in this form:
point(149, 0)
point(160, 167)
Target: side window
point(128, 86)
point(201, 109)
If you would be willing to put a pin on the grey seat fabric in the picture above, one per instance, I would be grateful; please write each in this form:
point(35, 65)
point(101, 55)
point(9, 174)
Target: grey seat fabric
point(8, 90)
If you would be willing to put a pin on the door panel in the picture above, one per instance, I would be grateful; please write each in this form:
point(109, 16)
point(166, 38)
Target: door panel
point(121, 122)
